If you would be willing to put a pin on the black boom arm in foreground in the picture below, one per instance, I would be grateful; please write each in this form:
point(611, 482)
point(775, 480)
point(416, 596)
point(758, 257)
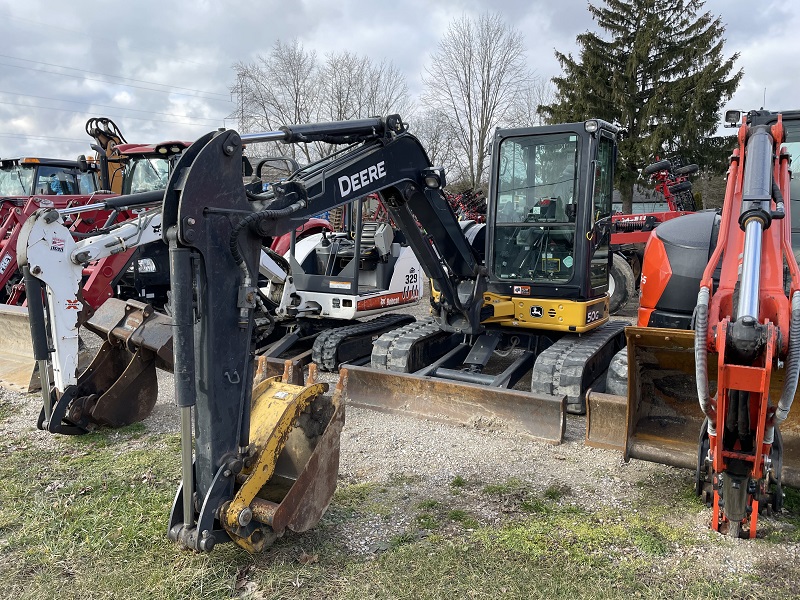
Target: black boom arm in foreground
point(214, 228)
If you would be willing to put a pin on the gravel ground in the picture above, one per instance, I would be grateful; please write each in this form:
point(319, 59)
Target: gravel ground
point(422, 458)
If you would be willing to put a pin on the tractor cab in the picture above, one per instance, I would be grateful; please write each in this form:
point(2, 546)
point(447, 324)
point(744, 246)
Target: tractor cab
point(23, 177)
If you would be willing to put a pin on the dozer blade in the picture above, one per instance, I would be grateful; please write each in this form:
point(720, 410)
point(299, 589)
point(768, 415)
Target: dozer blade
point(17, 364)
point(538, 416)
point(294, 461)
point(660, 421)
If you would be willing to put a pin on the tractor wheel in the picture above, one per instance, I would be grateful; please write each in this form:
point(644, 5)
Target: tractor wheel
point(683, 186)
point(661, 165)
point(620, 284)
point(687, 169)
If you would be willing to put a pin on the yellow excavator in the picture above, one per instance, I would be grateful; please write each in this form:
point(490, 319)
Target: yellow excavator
point(260, 458)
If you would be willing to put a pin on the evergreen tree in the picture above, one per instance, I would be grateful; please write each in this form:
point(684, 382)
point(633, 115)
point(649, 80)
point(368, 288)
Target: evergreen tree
point(659, 72)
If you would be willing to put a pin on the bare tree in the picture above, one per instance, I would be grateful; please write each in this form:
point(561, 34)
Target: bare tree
point(436, 136)
point(290, 85)
point(278, 89)
point(480, 72)
point(525, 113)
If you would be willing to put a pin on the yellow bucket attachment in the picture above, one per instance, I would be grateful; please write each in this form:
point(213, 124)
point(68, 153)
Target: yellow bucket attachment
point(538, 416)
point(290, 477)
point(17, 366)
point(660, 420)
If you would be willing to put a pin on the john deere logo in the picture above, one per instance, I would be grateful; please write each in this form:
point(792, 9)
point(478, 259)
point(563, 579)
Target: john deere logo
point(537, 312)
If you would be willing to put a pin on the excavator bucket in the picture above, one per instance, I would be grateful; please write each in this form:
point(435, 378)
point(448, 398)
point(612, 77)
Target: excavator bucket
point(538, 416)
point(18, 370)
point(119, 387)
point(290, 481)
point(660, 420)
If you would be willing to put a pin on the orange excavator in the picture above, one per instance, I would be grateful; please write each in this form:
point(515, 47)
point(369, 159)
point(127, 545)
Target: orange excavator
point(726, 364)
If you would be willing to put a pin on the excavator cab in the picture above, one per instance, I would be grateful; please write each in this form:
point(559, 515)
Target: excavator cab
point(548, 234)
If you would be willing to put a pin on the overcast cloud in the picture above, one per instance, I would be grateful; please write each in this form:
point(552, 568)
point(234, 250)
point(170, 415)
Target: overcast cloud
point(189, 47)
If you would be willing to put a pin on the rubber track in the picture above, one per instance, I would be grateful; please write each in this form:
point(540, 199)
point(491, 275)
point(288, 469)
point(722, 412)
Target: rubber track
point(393, 352)
point(382, 346)
point(559, 370)
point(326, 346)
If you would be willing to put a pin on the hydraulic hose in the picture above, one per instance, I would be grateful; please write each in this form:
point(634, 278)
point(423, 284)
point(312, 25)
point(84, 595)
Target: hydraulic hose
point(792, 371)
point(255, 218)
point(247, 278)
point(701, 357)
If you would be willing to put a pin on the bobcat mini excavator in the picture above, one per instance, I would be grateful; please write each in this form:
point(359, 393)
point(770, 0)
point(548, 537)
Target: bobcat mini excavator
point(722, 362)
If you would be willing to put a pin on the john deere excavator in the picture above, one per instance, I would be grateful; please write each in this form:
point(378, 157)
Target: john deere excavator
point(260, 458)
point(710, 372)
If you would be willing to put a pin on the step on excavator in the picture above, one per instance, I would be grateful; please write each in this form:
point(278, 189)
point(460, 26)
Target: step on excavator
point(710, 372)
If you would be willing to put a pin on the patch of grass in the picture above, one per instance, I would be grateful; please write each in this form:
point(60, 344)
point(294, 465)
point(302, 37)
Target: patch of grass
point(354, 495)
point(483, 565)
point(401, 539)
point(397, 479)
point(458, 482)
point(87, 519)
point(463, 517)
point(534, 505)
point(7, 409)
point(501, 489)
point(791, 500)
point(359, 498)
point(427, 521)
point(649, 541)
point(586, 538)
point(556, 492)
point(90, 520)
point(790, 519)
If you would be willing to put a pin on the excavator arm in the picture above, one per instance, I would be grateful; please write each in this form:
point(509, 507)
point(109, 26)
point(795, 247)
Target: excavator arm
point(52, 262)
point(249, 439)
point(393, 164)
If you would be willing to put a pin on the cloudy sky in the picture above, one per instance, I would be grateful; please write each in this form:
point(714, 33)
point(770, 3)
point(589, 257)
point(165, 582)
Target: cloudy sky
point(162, 69)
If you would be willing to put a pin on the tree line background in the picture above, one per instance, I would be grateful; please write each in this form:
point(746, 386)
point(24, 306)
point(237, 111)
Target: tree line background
point(656, 68)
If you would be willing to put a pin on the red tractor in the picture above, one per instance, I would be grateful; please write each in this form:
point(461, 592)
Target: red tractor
point(631, 232)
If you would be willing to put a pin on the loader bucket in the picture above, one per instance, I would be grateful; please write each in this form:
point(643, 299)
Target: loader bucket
point(294, 433)
point(660, 421)
point(538, 416)
point(17, 365)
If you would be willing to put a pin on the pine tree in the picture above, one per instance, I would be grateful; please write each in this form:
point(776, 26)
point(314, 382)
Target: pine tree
point(659, 72)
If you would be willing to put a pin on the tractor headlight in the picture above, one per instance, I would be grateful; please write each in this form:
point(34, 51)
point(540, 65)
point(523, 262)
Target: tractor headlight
point(146, 265)
point(590, 126)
